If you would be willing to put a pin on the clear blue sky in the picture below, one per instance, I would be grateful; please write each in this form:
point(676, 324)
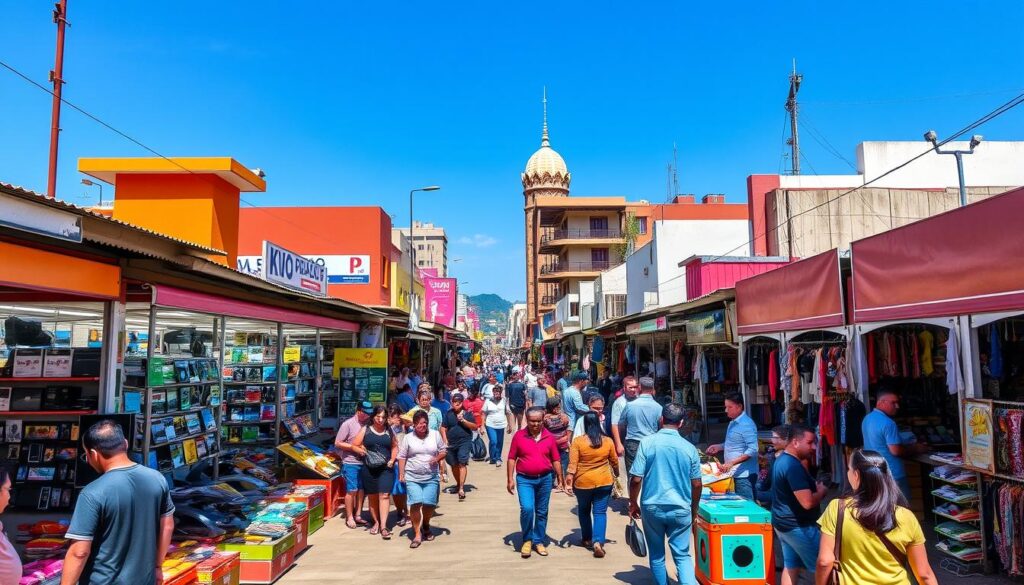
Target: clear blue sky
point(348, 103)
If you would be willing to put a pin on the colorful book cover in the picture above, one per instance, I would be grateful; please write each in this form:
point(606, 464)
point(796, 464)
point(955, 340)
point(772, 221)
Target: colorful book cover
point(253, 393)
point(177, 455)
point(169, 429)
point(201, 449)
point(184, 398)
point(5, 398)
point(267, 412)
point(215, 393)
point(269, 373)
point(292, 353)
point(180, 426)
point(192, 423)
point(159, 402)
point(211, 444)
point(255, 354)
point(234, 434)
point(252, 414)
point(158, 432)
point(250, 433)
point(208, 422)
point(254, 374)
point(172, 400)
point(191, 455)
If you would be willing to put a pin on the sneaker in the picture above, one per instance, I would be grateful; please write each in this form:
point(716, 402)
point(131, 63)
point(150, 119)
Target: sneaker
point(527, 549)
point(497, 463)
point(541, 549)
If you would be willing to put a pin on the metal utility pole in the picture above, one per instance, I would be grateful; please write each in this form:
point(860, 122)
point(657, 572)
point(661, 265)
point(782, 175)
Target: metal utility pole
point(60, 13)
point(794, 112)
point(932, 137)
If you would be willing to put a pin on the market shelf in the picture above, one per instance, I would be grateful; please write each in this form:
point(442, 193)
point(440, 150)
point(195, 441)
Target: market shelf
point(182, 438)
point(179, 412)
point(954, 518)
point(963, 482)
point(46, 412)
point(237, 423)
point(77, 379)
point(181, 385)
point(238, 383)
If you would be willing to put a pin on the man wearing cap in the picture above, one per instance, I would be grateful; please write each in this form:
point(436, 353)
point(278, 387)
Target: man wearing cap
point(352, 462)
point(457, 431)
point(572, 398)
point(639, 419)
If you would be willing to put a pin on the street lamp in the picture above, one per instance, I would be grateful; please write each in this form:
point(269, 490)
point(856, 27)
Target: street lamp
point(412, 258)
point(89, 183)
point(932, 137)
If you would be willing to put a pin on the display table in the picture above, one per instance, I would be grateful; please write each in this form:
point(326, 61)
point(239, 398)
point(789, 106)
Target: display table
point(264, 563)
point(224, 568)
point(733, 539)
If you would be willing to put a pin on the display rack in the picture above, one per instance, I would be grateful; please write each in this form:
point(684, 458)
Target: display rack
point(958, 522)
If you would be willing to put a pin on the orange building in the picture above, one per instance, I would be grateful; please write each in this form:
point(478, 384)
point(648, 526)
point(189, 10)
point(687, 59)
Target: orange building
point(354, 243)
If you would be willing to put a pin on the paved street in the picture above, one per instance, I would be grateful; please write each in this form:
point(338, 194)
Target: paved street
point(475, 545)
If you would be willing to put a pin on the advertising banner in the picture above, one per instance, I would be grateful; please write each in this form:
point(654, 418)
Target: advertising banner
point(341, 269)
point(441, 300)
point(291, 270)
point(708, 327)
point(427, 273)
point(978, 436)
point(363, 375)
point(648, 326)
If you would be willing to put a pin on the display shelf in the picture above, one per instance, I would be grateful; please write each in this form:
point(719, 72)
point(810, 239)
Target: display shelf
point(182, 438)
point(46, 412)
point(964, 482)
point(957, 498)
point(301, 378)
point(966, 554)
point(952, 531)
point(954, 518)
point(159, 387)
point(237, 383)
point(238, 423)
point(47, 380)
point(195, 410)
point(267, 441)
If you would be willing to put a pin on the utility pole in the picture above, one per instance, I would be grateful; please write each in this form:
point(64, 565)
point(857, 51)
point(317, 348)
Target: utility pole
point(794, 112)
point(60, 13)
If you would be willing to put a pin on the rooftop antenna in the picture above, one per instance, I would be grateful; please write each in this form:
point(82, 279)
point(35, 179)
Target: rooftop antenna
point(794, 112)
point(544, 135)
point(675, 170)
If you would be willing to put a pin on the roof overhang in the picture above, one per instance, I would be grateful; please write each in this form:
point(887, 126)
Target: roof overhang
point(224, 167)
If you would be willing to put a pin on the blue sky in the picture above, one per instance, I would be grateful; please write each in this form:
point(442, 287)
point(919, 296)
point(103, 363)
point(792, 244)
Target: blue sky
point(356, 103)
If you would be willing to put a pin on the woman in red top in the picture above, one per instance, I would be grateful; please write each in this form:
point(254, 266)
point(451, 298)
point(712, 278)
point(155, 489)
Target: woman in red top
point(557, 423)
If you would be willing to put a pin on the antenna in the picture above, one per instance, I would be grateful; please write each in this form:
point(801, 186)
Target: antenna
point(794, 112)
point(675, 170)
point(668, 182)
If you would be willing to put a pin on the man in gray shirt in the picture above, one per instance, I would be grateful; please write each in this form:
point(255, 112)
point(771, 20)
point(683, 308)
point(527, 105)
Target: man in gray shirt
point(123, 520)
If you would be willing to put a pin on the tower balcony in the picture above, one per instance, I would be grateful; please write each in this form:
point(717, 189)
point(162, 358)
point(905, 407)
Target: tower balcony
point(560, 270)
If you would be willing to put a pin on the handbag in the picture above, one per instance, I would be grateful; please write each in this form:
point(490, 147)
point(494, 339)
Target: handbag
point(479, 449)
point(835, 575)
point(635, 539)
point(375, 460)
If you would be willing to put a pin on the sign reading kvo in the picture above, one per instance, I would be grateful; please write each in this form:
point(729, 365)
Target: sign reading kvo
point(291, 270)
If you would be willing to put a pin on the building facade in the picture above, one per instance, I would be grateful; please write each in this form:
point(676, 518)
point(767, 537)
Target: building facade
point(431, 245)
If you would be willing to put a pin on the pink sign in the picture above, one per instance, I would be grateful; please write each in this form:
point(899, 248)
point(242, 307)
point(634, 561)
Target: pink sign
point(427, 272)
point(441, 298)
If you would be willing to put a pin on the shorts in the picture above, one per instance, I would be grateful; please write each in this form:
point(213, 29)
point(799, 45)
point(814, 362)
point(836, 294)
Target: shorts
point(351, 471)
point(800, 547)
point(517, 410)
point(423, 492)
point(459, 455)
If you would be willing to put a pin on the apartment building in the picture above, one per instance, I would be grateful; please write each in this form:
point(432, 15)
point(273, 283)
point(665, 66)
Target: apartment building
point(431, 245)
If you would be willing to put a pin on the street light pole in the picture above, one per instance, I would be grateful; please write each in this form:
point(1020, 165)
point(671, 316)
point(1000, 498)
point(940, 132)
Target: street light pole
point(412, 253)
point(89, 183)
point(932, 137)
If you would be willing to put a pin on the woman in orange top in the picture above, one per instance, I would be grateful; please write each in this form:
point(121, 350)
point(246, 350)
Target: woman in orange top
point(592, 467)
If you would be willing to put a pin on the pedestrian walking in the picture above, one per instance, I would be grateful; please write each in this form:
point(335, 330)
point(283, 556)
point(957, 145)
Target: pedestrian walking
point(424, 402)
point(398, 491)
point(740, 447)
point(595, 402)
point(352, 463)
point(406, 399)
point(536, 395)
point(593, 467)
point(122, 522)
point(488, 388)
point(419, 458)
point(517, 399)
point(457, 431)
point(572, 398)
point(795, 500)
point(639, 419)
point(630, 390)
point(10, 562)
point(533, 460)
point(763, 488)
point(879, 534)
point(664, 491)
point(498, 422)
point(556, 423)
point(377, 475)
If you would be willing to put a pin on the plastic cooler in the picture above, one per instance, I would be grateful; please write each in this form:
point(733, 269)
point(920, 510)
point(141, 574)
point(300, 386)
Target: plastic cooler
point(733, 541)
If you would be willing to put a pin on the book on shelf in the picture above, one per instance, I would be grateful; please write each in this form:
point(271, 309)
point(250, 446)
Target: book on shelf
point(5, 398)
point(201, 450)
point(158, 433)
point(132, 401)
point(253, 393)
point(234, 434)
point(255, 354)
point(180, 426)
point(251, 414)
point(253, 374)
point(28, 363)
point(192, 423)
point(159, 399)
point(177, 455)
point(250, 433)
point(189, 447)
point(211, 444)
point(269, 373)
point(208, 420)
point(185, 398)
point(172, 400)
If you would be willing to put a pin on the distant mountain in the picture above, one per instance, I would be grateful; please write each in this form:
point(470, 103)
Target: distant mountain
point(491, 307)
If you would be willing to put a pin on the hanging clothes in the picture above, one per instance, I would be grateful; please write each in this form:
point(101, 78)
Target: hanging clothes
point(995, 352)
point(927, 349)
point(869, 346)
point(954, 377)
point(773, 374)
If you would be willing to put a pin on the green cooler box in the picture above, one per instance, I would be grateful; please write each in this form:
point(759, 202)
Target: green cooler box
point(733, 542)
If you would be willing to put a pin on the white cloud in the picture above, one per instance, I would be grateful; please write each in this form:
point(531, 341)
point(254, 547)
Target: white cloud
point(478, 240)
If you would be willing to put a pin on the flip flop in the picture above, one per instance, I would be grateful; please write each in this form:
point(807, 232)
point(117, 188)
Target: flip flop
point(361, 522)
point(375, 531)
point(385, 534)
point(462, 496)
point(429, 536)
point(402, 522)
point(415, 544)
point(352, 526)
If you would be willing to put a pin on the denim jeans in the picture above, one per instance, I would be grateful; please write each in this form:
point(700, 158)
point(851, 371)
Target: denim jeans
point(800, 547)
point(675, 523)
point(744, 486)
point(534, 495)
point(593, 501)
point(495, 442)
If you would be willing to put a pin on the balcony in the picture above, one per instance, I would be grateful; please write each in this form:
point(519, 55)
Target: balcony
point(552, 240)
point(558, 270)
point(549, 300)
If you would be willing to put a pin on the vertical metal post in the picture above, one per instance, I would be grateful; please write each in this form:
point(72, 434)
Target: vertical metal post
point(147, 437)
point(57, 77)
point(318, 376)
point(671, 365)
point(219, 413)
point(412, 261)
point(960, 176)
point(277, 379)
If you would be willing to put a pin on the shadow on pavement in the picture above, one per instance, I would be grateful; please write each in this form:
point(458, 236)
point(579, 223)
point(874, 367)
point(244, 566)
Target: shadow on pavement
point(639, 575)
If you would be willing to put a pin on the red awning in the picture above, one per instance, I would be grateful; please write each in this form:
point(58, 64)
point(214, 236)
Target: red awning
point(177, 298)
point(960, 262)
point(804, 295)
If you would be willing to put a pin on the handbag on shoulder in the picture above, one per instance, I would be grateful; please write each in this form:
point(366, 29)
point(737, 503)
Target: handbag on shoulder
point(835, 575)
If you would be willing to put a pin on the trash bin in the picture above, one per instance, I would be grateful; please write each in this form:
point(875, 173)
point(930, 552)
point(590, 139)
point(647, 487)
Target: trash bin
point(733, 541)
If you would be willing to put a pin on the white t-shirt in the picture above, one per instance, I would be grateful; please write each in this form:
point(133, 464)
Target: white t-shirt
point(487, 391)
point(531, 380)
point(420, 454)
point(495, 413)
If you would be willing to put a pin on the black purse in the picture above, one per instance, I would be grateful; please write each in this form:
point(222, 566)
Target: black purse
point(635, 539)
point(375, 461)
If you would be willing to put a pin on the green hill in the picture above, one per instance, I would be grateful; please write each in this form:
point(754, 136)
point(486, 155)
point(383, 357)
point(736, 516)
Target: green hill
point(491, 307)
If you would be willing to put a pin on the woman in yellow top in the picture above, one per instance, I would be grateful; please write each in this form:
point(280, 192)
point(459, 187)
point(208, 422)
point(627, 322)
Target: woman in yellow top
point(876, 509)
point(592, 463)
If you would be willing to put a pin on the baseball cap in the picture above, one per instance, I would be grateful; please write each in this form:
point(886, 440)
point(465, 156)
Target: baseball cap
point(366, 407)
point(457, 397)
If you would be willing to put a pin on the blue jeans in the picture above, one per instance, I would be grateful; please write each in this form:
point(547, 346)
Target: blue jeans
point(534, 495)
point(800, 547)
point(593, 501)
point(495, 442)
point(744, 486)
point(676, 523)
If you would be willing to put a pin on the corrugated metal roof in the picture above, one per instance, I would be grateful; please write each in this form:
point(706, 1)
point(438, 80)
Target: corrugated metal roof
point(72, 208)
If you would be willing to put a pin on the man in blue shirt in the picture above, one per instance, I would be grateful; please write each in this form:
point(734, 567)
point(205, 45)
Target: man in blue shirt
point(740, 446)
point(563, 380)
point(796, 498)
point(882, 435)
point(664, 489)
point(639, 419)
point(572, 398)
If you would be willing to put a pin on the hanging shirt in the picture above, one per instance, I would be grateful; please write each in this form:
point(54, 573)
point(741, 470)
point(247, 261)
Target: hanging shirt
point(954, 377)
point(773, 373)
point(995, 352)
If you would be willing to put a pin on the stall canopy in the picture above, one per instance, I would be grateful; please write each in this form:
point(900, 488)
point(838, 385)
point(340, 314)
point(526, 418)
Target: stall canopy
point(177, 298)
point(963, 261)
point(804, 295)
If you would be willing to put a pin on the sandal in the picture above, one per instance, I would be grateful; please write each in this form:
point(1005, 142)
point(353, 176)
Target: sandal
point(375, 530)
point(385, 534)
point(462, 496)
point(351, 526)
point(361, 522)
point(415, 544)
point(427, 534)
point(402, 522)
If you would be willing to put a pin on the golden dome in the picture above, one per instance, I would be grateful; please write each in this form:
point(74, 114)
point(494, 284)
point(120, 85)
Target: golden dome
point(546, 170)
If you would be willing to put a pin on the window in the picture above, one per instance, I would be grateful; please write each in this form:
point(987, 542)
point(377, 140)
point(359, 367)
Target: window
point(419, 247)
point(599, 225)
point(422, 263)
point(574, 309)
point(599, 258)
point(641, 225)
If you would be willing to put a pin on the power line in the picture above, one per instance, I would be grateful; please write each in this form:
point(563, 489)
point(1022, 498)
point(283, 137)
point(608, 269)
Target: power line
point(909, 100)
point(824, 143)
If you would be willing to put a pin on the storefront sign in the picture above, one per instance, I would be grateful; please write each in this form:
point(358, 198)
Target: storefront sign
point(708, 327)
point(649, 326)
point(363, 374)
point(341, 269)
point(979, 435)
point(441, 300)
point(31, 217)
point(293, 271)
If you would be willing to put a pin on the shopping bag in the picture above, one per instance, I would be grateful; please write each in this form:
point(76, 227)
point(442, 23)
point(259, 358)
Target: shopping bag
point(635, 539)
point(479, 449)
